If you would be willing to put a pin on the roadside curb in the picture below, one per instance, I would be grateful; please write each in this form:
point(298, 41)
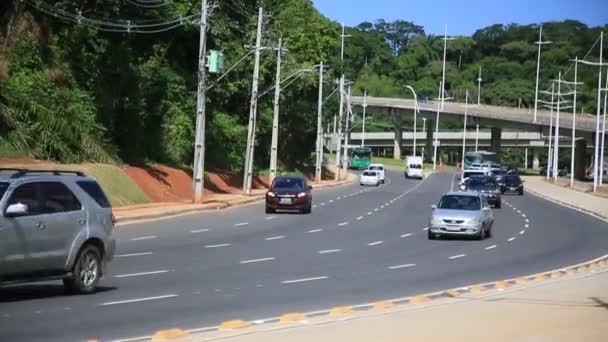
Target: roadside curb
point(455, 295)
point(217, 205)
point(568, 205)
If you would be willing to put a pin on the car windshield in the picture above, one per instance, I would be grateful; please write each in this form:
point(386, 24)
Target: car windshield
point(3, 187)
point(288, 183)
point(378, 168)
point(456, 202)
point(471, 174)
point(369, 174)
point(515, 180)
point(481, 183)
point(498, 173)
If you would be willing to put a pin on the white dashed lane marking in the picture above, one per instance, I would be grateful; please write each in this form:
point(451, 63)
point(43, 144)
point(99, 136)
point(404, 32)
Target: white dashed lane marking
point(490, 247)
point(251, 261)
point(406, 235)
point(133, 255)
point(511, 239)
point(369, 213)
point(144, 238)
point(295, 281)
point(241, 224)
point(401, 266)
point(522, 232)
point(359, 218)
point(315, 230)
point(270, 218)
point(376, 243)
point(329, 251)
point(199, 231)
point(275, 238)
point(342, 224)
point(218, 246)
point(140, 274)
point(457, 256)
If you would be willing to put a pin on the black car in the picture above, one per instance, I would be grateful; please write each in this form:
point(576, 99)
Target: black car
point(498, 176)
point(289, 193)
point(488, 187)
point(512, 183)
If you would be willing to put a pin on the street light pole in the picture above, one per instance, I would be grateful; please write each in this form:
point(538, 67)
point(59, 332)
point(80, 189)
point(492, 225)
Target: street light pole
point(275, 115)
point(415, 116)
point(572, 147)
point(540, 43)
point(476, 137)
point(436, 134)
point(445, 47)
point(464, 131)
point(603, 132)
point(363, 125)
point(424, 134)
point(479, 87)
point(597, 128)
point(347, 131)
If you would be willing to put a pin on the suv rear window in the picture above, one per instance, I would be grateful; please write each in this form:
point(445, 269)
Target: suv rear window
point(3, 187)
point(94, 190)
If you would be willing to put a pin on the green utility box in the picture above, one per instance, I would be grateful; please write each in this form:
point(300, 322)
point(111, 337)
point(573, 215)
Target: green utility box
point(215, 61)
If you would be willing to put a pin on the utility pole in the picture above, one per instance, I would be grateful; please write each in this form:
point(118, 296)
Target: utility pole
point(275, 115)
point(333, 147)
point(248, 173)
point(318, 170)
point(479, 87)
point(198, 173)
point(445, 47)
point(346, 131)
point(556, 143)
point(341, 109)
point(424, 133)
point(603, 132)
point(573, 145)
point(549, 155)
point(540, 43)
point(363, 124)
point(597, 128)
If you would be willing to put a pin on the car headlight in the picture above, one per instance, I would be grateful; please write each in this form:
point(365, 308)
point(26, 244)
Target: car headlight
point(301, 194)
point(475, 221)
point(271, 194)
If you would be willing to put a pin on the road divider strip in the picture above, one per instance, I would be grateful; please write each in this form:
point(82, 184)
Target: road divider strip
point(293, 317)
point(341, 311)
point(383, 305)
point(234, 325)
point(170, 334)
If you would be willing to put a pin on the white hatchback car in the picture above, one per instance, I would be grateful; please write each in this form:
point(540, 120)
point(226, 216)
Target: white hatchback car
point(379, 168)
point(369, 178)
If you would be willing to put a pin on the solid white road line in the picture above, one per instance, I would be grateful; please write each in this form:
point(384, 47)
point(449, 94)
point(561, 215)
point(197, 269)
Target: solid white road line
point(457, 256)
point(401, 266)
point(406, 235)
point(133, 254)
point(330, 251)
point(241, 224)
point(275, 238)
point(376, 243)
point(303, 280)
point(270, 218)
point(140, 274)
point(359, 218)
point(199, 231)
point(511, 239)
point(144, 238)
point(256, 260)
point(138, 300)
point(490, 247)
point(315, 230)
point(218, 246)
point(342, 224)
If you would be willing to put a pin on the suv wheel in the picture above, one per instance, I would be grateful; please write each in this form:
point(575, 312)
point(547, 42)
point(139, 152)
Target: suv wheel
point(86, 271)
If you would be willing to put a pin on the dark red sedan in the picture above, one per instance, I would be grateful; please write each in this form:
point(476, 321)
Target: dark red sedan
point(289, 193)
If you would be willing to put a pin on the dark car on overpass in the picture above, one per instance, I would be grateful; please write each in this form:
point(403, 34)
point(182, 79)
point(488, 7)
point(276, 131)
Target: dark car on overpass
point(289, 193)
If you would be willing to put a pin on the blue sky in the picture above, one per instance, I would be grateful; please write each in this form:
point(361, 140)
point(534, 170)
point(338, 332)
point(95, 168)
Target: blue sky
point(465, 16)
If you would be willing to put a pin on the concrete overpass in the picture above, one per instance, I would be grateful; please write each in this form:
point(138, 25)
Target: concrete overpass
point(496, 117)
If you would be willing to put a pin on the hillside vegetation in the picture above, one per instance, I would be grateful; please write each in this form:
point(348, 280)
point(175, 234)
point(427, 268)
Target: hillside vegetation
point(71, 92)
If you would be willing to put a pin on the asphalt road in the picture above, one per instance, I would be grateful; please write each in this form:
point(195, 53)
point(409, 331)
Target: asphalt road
point(358, 245)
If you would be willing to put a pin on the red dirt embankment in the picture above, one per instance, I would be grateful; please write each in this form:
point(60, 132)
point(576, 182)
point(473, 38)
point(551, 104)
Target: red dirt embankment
point(166, 184)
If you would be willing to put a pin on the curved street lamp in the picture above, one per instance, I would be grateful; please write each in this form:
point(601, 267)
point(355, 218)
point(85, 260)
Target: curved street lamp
point(416, 110)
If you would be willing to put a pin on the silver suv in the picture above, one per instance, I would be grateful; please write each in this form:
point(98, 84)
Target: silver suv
point(54, 225)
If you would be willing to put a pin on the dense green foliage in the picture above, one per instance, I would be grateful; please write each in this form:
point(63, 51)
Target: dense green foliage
point(70, 92)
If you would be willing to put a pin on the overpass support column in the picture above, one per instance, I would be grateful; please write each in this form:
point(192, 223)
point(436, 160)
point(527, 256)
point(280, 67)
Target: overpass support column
point(535, 159)
point(398, 143)
point(580, 159)
point(496, 139)
point(428, 145)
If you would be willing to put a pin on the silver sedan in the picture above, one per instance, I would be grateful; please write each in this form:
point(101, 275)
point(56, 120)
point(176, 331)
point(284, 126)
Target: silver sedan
point(466, 214)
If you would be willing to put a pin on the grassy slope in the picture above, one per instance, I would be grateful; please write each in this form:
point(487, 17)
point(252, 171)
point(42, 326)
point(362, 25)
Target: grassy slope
point(120, 189)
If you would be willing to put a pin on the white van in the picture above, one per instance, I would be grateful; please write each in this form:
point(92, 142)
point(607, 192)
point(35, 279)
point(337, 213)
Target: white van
point(414, 167)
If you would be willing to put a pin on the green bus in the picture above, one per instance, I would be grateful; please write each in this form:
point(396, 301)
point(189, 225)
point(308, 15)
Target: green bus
point(474, 160)
point(359, 157)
